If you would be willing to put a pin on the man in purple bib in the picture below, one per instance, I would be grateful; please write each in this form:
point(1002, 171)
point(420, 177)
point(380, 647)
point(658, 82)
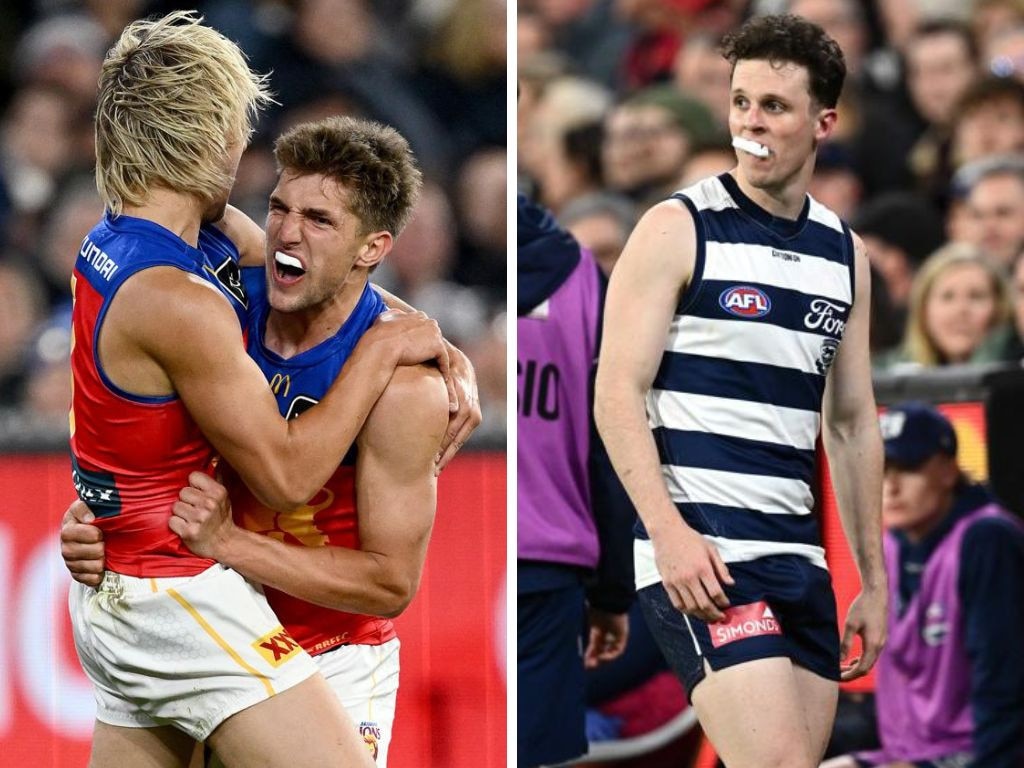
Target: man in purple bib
point(950, 690)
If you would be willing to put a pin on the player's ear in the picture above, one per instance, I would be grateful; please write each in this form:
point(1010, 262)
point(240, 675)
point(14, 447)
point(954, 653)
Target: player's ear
point(375, 247)
point(825, 123)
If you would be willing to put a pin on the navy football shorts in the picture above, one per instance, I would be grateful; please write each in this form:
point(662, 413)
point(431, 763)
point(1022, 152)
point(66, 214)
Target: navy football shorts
point(552, 690)
point(780, 606)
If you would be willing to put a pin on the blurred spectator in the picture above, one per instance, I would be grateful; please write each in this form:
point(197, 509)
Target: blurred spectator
point(75, 212)
point(648, 139)
point(874, 122)
point(482, 192)
point(462, 79)
point(835, 182)
point(663, 26)
point(561, 148)
point(601, 223)
point(21, 308)
point(702, 72)
point(340, 46)
point(1011, 346)
point(995, 211)
point(65, 52)
point(707, 159)
point(418, 266)
point(590, 33)
point(899, 230)
point(957, 300)
point(990, 17)
point(950, 681)
point(1003, 55)
point(36, 146)
point(48, 381)
point(941, 65)
point(989, 120)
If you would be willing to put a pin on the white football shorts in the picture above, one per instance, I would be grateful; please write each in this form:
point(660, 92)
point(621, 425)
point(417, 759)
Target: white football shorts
point(188, 651)
point(365, 678)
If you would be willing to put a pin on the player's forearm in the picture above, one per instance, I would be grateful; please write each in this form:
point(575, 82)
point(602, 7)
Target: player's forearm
point(344, 579)
point(621, 418)
point(317, 442)
point(855, 459)
point(392, 301)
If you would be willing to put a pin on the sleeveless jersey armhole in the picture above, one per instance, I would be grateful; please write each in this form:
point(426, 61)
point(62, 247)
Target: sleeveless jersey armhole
point(691, 292)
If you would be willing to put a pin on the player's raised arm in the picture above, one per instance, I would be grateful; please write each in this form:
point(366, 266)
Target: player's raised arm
point(283, 462)
point(644, 291)
point(396, 497)
point(854, 447)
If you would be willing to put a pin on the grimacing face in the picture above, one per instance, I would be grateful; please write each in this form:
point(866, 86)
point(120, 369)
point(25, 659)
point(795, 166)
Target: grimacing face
point(313, 241)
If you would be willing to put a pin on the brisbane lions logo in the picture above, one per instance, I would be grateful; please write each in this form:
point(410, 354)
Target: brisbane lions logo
point(371, 737)
point(745, 301)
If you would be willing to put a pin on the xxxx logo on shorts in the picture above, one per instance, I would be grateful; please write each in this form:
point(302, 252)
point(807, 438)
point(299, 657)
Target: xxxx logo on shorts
point(371, 736)
point(277, 646)
point(743, 621)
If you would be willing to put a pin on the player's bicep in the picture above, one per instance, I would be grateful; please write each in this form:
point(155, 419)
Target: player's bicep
point(220, 385)
point(395, 482)
point(644, 290)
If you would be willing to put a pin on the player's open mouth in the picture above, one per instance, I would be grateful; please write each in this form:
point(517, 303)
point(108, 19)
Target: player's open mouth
point(287, 268)
point(751, 147)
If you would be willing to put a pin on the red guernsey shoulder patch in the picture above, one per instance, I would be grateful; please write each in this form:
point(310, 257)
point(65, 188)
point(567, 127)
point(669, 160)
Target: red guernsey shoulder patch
point(743, 621)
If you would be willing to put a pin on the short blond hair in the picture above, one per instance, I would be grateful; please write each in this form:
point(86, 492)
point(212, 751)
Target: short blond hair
point(918, 345)
point(174, 97)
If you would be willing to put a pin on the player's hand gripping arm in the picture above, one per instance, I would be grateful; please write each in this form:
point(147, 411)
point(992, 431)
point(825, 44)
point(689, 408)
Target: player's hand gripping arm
point(396, 498)
point(465, 413)
point(181, 324)
point(81, 544)
point(854, 447)
point(655, 266)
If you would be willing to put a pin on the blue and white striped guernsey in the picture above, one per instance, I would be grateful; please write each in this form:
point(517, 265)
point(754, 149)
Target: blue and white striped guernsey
point(735, 406)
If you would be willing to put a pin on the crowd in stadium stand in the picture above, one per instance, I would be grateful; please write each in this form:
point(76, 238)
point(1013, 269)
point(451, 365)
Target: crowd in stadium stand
point(436, 71)
point(622, 102)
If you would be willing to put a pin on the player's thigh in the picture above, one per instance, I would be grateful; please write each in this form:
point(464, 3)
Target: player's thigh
point(115, 746)
point(752, 714)
point(304, 725)
point(818, 697)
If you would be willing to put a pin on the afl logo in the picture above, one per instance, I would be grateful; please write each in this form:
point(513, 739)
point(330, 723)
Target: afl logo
point(745, 301)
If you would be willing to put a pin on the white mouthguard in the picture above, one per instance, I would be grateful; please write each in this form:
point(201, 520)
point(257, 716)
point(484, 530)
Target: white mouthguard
point(750, 147)
point(287, 261)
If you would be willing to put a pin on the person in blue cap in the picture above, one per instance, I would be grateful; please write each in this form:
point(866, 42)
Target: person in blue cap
point(950, 688)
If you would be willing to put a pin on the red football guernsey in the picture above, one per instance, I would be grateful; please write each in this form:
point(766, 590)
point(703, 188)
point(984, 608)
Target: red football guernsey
point(329, 518)
point(132, 454)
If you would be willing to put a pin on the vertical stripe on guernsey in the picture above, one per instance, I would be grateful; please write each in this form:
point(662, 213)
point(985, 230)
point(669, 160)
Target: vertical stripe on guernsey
point(735, 407)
